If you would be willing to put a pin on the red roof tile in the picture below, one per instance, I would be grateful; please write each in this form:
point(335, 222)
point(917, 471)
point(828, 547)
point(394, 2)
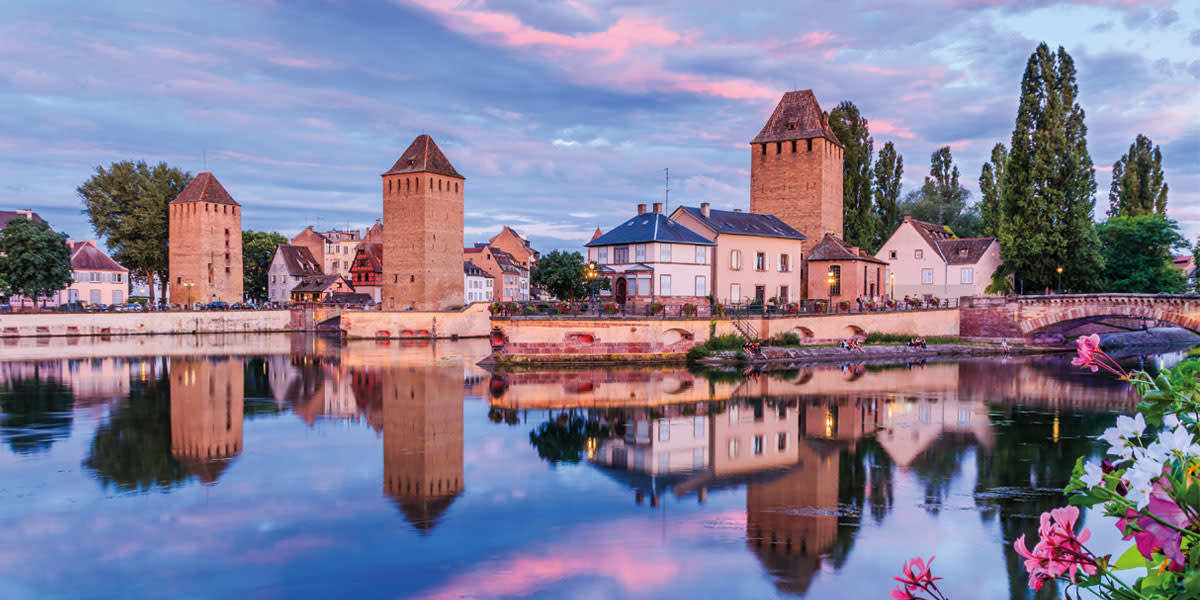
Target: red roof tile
point(424, 156)
point(796, 117)
point(205, 188)
point(833, 248)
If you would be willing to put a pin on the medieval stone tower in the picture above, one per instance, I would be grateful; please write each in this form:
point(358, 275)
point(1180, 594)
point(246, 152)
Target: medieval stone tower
point(423, 233)
point(207, 406)
point(422, 440)
point(205, 254)
point(796, 168)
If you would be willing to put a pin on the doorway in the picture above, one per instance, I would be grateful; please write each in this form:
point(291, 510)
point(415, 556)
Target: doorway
point(621, 290)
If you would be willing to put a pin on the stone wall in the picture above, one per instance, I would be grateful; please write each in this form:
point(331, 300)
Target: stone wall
point(113, 324)
point(205, 251)
point(801, 186)
point(422, 241)
point(472, 321)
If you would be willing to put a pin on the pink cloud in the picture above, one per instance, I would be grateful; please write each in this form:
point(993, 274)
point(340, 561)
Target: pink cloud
point(239, 156)
point(891, 128)
point(175, 54)
point(275, 54)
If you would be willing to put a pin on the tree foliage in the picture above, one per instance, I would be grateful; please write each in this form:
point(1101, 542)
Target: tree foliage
point(128, 205)
point(564, 439)
point(258, 248)
point(989, 187)
point(34, 412)
point(1137, 254)
point(942, 200)
point(36, 261)
point(859, 220)
point(1138, 187)
point(564, 276)
point(889, 168)
point(1048, 187)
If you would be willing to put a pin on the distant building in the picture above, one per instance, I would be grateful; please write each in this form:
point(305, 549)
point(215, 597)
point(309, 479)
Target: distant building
point(757, 256)
point(205, 243)
point(26, 213)
point(374, 234)
point(652, 258)
point(477, 284)
point(290, 265)
point(98, 278)
point(840, 272)
point(334, 249)
point(926, 260)
point(320, 288)
point(796, 168)
point(367, 270)
point(516, 245)
point(423, 208)
point(511, 280)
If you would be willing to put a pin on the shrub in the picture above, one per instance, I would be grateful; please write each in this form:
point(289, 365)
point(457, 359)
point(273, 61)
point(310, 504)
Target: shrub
point(656, 308)
point(876, 337)
point(496, 308)
point(740, 355)
point(792, 308)
point(689, 310)
point(789, 338)
point(529, 310)
point(719, 309)
point(729, 341)
point(543, 306)
point(697, 352)
point(610, 308)
point(512, 308)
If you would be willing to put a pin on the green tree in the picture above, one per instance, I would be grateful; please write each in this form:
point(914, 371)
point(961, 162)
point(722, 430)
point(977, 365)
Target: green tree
point(989, 188)
point(1138, 187)
point(1048, 188)
point(889, 168)
point(258, 248)
point(942, 200)
point(35, 260)
point(128, 204)
point(562, 274)
point(1137, 254)
point(859, 221)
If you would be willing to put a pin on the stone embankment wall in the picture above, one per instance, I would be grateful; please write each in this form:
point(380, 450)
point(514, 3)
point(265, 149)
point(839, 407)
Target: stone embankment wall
point(472, 321)
point(112, 324)
point(548, 340)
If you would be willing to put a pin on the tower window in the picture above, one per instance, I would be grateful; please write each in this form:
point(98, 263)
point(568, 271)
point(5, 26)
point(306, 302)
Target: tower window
point(455, 187)
point(793, 146)
point(407, 184)
point(809, 140)
point(778, 147)
point(412, 278)
point(764, 149)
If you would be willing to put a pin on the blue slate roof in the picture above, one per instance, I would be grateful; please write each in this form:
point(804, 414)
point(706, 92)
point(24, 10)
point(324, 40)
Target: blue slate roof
point(744, 223)
point(650, 227)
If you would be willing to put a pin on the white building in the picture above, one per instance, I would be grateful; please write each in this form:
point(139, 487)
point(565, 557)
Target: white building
point(479, 286)
point(289, 266)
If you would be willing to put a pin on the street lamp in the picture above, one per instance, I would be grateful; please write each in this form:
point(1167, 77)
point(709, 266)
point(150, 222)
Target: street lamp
point(1059, 279)
point(188, 285)
point(892, 278)
point(591, 276)
point(831, 279)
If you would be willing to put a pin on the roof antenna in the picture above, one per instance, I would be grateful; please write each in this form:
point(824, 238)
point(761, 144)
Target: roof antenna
point(204, 157)
point(667, 191)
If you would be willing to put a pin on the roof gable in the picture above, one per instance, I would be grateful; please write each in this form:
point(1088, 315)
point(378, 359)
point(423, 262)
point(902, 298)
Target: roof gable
point(205, 188)
point(833, 248)
point(423, 156)
point(298, 260)
point(650, 227)
point(87, 257)
point(744, 223)
point(964, 251)
point(798, 116)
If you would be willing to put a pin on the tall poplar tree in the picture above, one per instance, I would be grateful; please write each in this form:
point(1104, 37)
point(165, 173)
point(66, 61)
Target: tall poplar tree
point(889, 168)
point(858, 217)
point(1138, 187)
point(1048, 190)
point(989, 187)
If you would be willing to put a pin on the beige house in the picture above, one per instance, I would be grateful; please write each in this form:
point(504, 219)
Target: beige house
point(927, 260)
point(98, 278)
point(757, 256)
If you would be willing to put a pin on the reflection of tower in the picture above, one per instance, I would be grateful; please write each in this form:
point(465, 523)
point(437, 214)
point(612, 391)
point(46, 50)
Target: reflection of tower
point(791, 520)
point(207, 404)
point(422, 441)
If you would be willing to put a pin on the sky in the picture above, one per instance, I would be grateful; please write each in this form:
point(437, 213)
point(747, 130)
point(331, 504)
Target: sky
point(562, 115)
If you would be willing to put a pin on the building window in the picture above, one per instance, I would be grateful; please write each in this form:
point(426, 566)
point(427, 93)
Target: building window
point(117, 297)
point(664, 254)
point(701, 255)
point(963, 251)
point(664, 431)
point(760, 261)
point(968, 276)
point(926, 275)
point(93, 276)
point(758, 445)
point(735, 292)
point(664, 285)
point(781, 441)
point(602, 256)
point(701, 285)
point(733, 444)
point(621, 255)
point(735, 260)
point(835, 277)
point(639, 252)
point(784, 263)
point(783, 292)
point(918, 254)
point(892, 254)
point(809, 140)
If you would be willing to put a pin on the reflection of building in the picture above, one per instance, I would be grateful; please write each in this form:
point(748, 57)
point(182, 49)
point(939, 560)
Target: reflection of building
point(422, 440)
point(659, 444)
point(207, 405)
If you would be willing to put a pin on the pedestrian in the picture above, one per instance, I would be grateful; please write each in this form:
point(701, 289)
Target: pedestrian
point(860, 304)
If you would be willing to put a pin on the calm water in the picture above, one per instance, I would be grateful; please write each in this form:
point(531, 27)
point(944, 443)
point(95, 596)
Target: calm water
point(292, 467)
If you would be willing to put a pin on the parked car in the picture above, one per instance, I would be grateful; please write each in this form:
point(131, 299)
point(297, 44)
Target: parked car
point(218, 305)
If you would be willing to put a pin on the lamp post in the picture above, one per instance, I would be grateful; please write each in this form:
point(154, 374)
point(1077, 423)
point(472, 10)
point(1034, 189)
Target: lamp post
point(1059, 279)
point(830, 279)
point(591, 276)
point(188, 285)
point(892, 279)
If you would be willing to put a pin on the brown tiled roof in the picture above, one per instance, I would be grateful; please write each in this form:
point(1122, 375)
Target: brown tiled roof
point(964, 251)
point(423, 156)
point(930, 231)
point(796, 117)
point(471, 269)
point(318, 283)
point(374, 233)
point(299, 260)
point(205, 188)
point(833, 248)
point(743, 223)
point(87, 257)
point(8, 215)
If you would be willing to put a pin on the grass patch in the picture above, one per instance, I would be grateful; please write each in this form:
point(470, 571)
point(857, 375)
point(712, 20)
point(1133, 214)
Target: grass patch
point(902, 338)
point(785, 340)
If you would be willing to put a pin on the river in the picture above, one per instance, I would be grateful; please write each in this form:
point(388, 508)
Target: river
point(288, 466)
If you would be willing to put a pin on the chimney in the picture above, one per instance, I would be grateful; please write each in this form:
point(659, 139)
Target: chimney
point(92, 242)
point(737, 210)
point(658, 207)
point(704, 210)
point(907, 218)
point(28, 212)
point(641, 209)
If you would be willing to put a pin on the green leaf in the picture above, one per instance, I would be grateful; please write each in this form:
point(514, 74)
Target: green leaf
point(1130, 559)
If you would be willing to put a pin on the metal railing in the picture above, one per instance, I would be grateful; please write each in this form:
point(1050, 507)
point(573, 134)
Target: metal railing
point(740, 314)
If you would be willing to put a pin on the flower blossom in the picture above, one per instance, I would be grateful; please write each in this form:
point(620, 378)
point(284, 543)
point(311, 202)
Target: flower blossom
point(1154, 535)
point(1085, 348)
point(1059, 549)
point(1093, 474)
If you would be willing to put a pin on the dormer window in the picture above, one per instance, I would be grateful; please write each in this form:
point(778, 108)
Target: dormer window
point(962, 252)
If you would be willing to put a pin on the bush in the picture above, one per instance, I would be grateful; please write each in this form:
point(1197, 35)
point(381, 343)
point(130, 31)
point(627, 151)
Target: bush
point(740, 356)
point(689, 310)
point(718, 310)
point(876, 337)
point(729, 341)
point(789, 338)
point(697, 352)
point(656, 308)
point(529, 310)
point(610, 308)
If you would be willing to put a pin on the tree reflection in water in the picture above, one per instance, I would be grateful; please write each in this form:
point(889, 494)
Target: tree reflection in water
point(36, 412)
point(564, 438)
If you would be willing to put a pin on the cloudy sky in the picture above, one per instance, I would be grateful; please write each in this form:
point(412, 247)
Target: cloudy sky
point(561, 114)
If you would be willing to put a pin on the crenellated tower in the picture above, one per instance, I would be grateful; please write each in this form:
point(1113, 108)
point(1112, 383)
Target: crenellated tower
point(205, 243)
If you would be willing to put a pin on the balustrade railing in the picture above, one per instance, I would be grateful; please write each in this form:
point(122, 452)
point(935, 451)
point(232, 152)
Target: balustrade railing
point(739, 313)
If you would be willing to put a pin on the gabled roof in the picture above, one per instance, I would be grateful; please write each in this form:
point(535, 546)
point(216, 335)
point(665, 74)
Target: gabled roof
point(597, 234)
point(833, 248)
point(469, 268)
point(351, 298)
point(650, 227)
point(205, 188)
point(374, 232)
point(423, 156)
point(298, 260)
point(373, 252)
point(744, 223)
point(949, 247)
point(796, 117)
point(319, 283)
point(87, 257)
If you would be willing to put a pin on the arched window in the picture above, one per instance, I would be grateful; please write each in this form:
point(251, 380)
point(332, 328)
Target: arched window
point(439, 185)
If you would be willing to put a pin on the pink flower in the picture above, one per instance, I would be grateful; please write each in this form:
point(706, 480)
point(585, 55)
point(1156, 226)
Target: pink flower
point(1059, 549)
point(1154, 535)
point(917, 576)
point(1086, 347)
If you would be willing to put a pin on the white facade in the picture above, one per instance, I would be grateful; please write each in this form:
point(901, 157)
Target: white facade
point(478, 288)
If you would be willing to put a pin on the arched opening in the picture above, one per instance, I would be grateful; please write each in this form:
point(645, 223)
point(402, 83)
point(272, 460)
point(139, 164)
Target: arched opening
point(855, 331)
point(620, 290)
point(804, 332)
point(675, 335)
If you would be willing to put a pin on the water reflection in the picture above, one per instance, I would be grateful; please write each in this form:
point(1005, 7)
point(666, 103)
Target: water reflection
point(808, 482)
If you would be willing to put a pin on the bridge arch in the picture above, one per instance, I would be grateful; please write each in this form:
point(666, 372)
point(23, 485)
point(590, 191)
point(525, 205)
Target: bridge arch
point(1049, 315)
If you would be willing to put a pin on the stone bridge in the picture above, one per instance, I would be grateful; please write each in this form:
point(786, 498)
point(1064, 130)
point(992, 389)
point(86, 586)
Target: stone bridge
point(1050, 319)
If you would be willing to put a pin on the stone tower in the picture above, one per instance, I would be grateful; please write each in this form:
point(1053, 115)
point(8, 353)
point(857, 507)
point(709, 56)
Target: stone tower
point(205, 228)
point(207, 406)
point(422, 440)
point(423, 230)
point(796, 168)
